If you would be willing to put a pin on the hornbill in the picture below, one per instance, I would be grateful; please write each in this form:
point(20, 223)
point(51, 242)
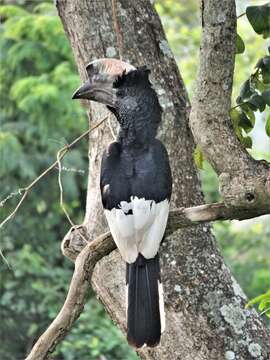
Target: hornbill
point(135, 185)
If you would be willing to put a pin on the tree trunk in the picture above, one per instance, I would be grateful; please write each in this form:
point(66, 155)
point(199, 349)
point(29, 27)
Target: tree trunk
point(204, 305)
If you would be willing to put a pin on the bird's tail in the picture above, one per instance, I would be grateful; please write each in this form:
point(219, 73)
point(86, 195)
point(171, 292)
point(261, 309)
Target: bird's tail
point(145, 310)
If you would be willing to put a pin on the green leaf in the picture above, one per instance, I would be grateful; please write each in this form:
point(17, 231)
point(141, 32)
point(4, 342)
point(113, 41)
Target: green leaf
point(256, 83)
point(247, 142)
point(10, 151)
point(264, 304)
point(266, 97)
point(9, 11)
point(258, 299)
point(258, 16)
point(240, 45)
point(266, 75)
point(198, 157)
point(258, 102)
point(235, 116)
point(259, 64)
point(245, 90)
point(267, 126)
point(249, 112)
point(45, 8)
point(266, 61)
point(245, 122)
point(238, 120)
point(264, 65)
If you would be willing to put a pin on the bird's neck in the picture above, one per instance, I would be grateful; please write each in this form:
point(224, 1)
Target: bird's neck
point(137, 134)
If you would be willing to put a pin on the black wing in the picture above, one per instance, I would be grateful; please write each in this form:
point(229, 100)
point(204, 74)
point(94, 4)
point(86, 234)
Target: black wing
point(146, 175)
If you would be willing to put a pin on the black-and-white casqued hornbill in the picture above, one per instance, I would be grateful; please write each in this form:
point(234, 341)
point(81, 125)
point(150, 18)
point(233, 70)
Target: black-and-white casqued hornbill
point(136, 185)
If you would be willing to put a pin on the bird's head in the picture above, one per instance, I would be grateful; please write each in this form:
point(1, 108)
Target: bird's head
point(125, 90)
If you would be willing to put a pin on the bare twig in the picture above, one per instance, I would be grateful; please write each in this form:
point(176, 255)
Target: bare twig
point(62, 196)
point(244, 13)
point(11, 195)
point(76, 297)
point(110, 127)
point(119, 36)
point(239, 16)
point(61, 189)
point(71, 169)
point(62, 152)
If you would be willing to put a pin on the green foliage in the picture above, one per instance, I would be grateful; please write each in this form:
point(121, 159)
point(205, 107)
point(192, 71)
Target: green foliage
point(10, 150)
point(198, 157)
point(240, 45)
point(267, 126)
point(37, 78)
point(38, 117)
point(94, 336)
point(254, 96)
point(254, 92)
point(246, 249)
point(258, 17)
point(241, 121)
point(263, 302)
point(209, 183)
point(182, 25)
point(181, 21)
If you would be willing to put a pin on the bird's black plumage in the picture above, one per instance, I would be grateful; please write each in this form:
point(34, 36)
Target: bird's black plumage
point(128, 172)
point(144, 325)
point(137, 163)
point(136, 186)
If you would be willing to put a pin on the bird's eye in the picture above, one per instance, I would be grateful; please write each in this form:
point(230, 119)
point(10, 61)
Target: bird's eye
point(120, 93)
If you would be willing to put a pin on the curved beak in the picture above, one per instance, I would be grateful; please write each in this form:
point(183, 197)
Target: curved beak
point(100, 91)
point(83, 91)
point(102, 74)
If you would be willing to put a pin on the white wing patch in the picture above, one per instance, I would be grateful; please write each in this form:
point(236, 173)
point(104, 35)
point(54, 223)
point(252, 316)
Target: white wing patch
point(141, 231)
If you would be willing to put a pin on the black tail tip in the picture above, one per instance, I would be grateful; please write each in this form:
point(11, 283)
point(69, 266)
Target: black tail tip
point(138, 343)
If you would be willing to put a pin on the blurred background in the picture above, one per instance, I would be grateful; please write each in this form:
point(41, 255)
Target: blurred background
point(37, 118)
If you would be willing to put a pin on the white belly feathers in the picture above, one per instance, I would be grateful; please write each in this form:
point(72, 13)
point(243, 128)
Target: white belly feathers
point(140, 231)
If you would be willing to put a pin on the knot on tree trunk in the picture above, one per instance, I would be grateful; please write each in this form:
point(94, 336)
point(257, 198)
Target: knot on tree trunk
point(246, 190)
point(74, 241)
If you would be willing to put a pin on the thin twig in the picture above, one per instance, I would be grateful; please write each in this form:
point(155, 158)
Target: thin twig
point(265, 311)
point(59, 154)
point(236, 106)
point(69, 169)
point(110, 127)
point(61, 188)
point(239, 16)
point(119, 36)
point(62, 152)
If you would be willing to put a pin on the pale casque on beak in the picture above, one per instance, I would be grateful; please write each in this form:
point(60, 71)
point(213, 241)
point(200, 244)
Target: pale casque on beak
point(102, 74)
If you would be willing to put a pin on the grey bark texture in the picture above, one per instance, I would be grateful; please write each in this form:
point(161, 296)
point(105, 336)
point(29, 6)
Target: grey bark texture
point(205, 314)
point(244, 182)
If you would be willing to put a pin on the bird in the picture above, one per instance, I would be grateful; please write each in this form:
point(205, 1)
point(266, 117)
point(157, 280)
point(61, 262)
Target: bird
point(136, 186)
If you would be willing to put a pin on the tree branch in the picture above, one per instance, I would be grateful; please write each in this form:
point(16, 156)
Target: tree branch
point(244, 182)
point(60, 154)
point(76, 297)
point(86, 256)
point(178, 219)
point(190, 259)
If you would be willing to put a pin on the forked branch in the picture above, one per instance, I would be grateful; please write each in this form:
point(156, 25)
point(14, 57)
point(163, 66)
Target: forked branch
point(86, 256)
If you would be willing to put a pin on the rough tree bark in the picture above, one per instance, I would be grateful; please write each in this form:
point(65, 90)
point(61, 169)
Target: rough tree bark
point(244, 182)
point(204, 305)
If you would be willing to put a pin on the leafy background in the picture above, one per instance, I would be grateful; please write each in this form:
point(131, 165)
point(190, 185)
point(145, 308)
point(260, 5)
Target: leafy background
point(37, 78)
